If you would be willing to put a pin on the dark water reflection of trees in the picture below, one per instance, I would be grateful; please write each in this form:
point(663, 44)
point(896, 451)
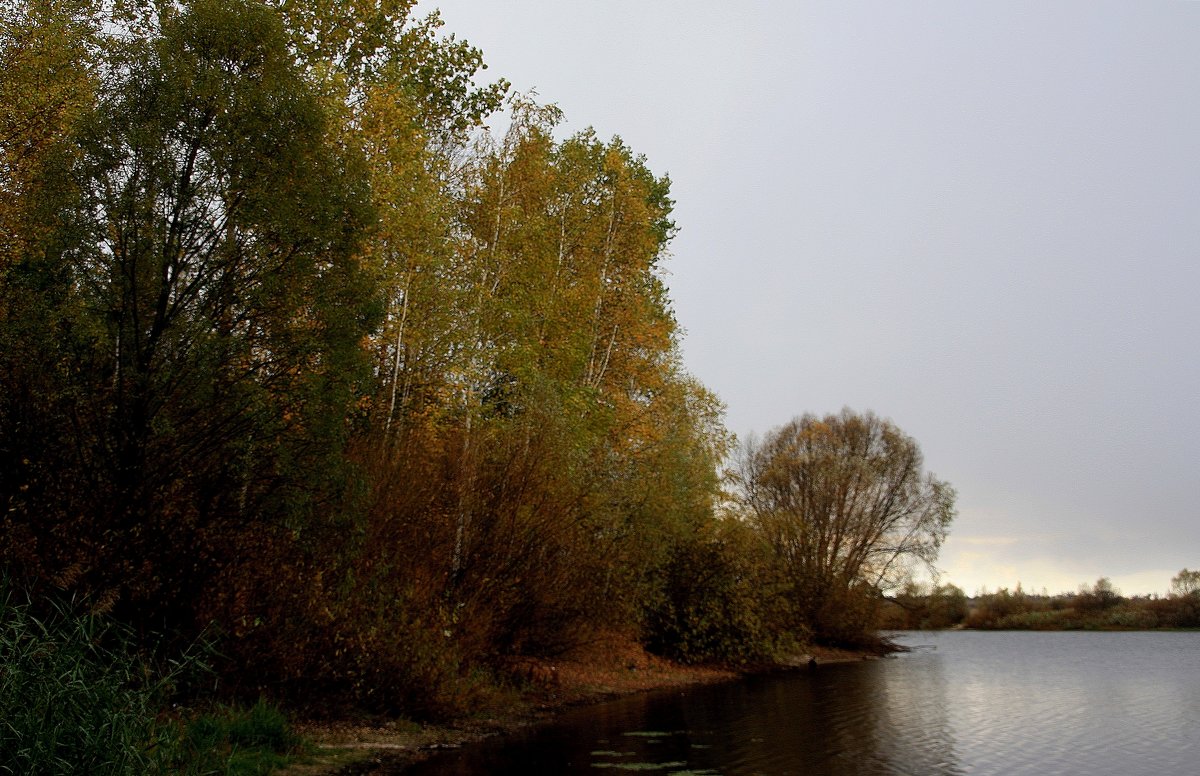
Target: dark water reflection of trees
point(838, 720)
point(1019, 703)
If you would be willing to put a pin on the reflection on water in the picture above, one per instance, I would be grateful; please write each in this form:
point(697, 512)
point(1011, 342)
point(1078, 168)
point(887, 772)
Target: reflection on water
point(964, 702)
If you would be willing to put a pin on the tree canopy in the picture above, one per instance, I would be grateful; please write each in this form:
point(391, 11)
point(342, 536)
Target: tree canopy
point(845, 504)
point(296, 350)
point(1186, 583)
point(293, 345)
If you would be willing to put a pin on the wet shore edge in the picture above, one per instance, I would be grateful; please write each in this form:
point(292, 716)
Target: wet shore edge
point(357, 748)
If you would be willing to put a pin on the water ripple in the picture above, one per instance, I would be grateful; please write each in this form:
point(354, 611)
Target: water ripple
point(979, 704)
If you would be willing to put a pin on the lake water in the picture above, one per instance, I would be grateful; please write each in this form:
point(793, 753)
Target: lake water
point(962, 702)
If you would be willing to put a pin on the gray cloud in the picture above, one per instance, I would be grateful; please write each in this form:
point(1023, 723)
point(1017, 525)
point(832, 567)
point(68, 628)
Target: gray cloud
point(978, 219)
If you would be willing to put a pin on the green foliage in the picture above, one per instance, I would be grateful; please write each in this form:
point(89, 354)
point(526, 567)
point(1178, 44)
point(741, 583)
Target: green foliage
point(233, 740)
point(1130, 616)
point(71, 698)
point(77, 697)
point(186, 345)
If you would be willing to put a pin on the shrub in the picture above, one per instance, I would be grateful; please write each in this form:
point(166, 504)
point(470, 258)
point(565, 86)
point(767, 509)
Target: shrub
point(1177, 611)
point(995, 609)
point(719, 600)
point(920, 607)
point(1097, 599)
point(1041, 619)
point(1131, 616)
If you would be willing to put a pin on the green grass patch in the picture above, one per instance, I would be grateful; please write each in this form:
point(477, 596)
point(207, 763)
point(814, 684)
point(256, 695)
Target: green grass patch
point(235, 741)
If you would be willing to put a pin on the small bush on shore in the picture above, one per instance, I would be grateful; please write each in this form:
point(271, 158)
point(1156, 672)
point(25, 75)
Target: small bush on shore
point(235, 741)
point(719, 600)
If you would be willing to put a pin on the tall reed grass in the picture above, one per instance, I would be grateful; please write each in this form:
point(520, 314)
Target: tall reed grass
point(72, 699)
point(76, 698)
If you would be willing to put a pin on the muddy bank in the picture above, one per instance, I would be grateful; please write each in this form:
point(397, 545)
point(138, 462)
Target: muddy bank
point(602, 672)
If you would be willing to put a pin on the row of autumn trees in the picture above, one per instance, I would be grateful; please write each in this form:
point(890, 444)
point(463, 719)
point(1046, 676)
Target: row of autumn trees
point(292, 344)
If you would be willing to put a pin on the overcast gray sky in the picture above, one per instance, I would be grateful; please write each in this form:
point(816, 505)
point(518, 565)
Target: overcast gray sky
point(978, 219)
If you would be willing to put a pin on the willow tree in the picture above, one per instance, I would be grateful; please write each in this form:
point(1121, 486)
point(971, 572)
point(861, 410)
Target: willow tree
point(848, 510)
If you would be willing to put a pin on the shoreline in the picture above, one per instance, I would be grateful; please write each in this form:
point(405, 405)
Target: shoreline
point(606, 672)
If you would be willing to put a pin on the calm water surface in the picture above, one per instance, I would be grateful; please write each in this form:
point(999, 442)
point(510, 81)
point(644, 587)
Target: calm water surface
point(962, 702)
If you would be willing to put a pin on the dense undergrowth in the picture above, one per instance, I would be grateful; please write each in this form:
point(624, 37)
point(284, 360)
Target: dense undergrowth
point(76, 697)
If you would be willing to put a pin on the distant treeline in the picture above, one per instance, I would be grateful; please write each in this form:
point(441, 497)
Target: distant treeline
point(1097, 607)
point(298, 355)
